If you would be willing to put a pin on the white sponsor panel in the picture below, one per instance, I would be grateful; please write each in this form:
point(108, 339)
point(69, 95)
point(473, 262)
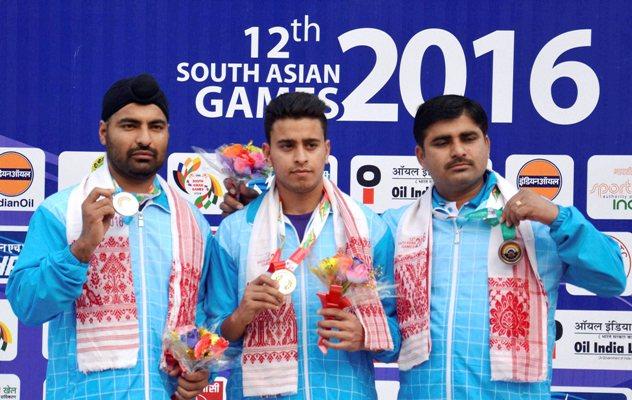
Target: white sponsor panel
point(9, 387)
point(8, 332)
point(594, 340)
point(551, 176)
point(383, 182)
point(387, 389)
point(22, 178)
point(589, 389)
point(624, 240)
point(73, 166)
point(331, 169)
point(45, 340)
point(609, 187)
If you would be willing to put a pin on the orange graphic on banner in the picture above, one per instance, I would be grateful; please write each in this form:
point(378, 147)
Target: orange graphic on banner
point(368, 195)
point(16, 174)
point(541, 176)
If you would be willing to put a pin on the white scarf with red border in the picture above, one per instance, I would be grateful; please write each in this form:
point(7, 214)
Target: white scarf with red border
point(517, 301)
point(106, 311)
point(270, 345)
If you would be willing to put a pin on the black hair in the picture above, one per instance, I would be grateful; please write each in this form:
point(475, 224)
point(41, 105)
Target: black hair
point(295, 105)
point(447, 107)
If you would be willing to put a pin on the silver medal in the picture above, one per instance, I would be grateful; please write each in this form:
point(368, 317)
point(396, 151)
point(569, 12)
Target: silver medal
point(125, 204)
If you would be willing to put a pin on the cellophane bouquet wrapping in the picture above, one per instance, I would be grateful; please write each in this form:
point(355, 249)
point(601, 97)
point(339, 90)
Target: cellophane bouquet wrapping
point(339, 273)
point(195, 348)
point(243, 162)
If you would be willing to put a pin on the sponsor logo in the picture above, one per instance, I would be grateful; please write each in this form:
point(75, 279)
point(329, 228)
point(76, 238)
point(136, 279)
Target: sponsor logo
point(625, 255)
point(368, 176)
point(609, 187)
point(383, 182)
point(9, 387)
point(16, 173)
point(8, 332)
point(204, 186)
point(214, 391)
point(542, 176)
point(11, 243)
point(593, 340)
point(5, 336)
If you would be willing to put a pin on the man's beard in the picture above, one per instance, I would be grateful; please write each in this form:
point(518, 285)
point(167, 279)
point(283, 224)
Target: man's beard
point(125, 166)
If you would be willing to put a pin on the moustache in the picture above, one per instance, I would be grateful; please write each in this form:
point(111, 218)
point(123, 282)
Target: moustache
point(458, 161)
point(131, 152)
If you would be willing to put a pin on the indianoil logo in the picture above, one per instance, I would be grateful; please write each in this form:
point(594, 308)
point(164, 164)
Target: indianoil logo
point(16, 174)
point(541, 176)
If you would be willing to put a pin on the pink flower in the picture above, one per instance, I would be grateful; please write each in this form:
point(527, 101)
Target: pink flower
point(242, 166)
point(358, 272)
point(259, 160)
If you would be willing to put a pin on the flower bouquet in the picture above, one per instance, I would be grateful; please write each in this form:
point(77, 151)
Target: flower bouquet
point(195, 349)
point(241, 162)
point(339, 273)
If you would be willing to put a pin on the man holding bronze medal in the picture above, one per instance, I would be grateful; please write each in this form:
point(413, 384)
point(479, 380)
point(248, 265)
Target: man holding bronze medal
point(477, 291)
point(112, 262)
point(262, 291)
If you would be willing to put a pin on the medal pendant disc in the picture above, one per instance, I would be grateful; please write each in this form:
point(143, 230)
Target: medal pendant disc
point(286, 279)
point(125, 204)
point(510, 252)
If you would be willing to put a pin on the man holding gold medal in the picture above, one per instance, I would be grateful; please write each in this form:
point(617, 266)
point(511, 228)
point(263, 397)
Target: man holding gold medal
point(262, 292)
point(114, 261)
point(477, 291)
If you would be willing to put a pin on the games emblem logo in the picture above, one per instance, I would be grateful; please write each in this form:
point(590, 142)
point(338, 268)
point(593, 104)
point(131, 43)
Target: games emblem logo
point(203, 185)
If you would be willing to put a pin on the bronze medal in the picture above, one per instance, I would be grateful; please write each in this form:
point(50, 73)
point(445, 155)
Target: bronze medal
point(510, 252)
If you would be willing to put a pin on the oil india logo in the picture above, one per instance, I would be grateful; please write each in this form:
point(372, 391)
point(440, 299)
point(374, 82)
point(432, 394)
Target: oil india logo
point(203, 185)
point(16, 174)
point(541, 176)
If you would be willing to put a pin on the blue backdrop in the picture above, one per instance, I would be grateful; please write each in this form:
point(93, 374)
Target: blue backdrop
point(553, 76)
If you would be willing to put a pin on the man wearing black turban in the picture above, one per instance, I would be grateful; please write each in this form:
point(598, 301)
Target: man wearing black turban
point(114, 262)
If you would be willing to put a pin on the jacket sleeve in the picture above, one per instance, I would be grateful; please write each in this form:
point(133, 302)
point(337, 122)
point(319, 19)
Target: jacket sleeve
point(222, 282)
point(593, 259)
point(383, 259)
point(47, 277)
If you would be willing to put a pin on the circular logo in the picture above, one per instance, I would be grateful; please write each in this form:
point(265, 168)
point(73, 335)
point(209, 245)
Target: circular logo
point(16, 174)
point(510, 252)
point(286, 279)
point(541, 176)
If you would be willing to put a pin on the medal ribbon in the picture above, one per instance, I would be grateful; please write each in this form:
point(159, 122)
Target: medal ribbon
point(491, 214)
point(315, 227)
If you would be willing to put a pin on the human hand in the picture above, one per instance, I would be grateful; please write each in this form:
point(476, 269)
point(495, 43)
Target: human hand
point(348, 330)
point(191, 384)
point(528, 205)
point(237, 196)
point(260, 294)
point(97, 212)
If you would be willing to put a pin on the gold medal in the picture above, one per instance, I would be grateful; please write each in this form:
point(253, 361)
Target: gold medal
point(286, 279)
point(125, 204)
point(510, 252)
